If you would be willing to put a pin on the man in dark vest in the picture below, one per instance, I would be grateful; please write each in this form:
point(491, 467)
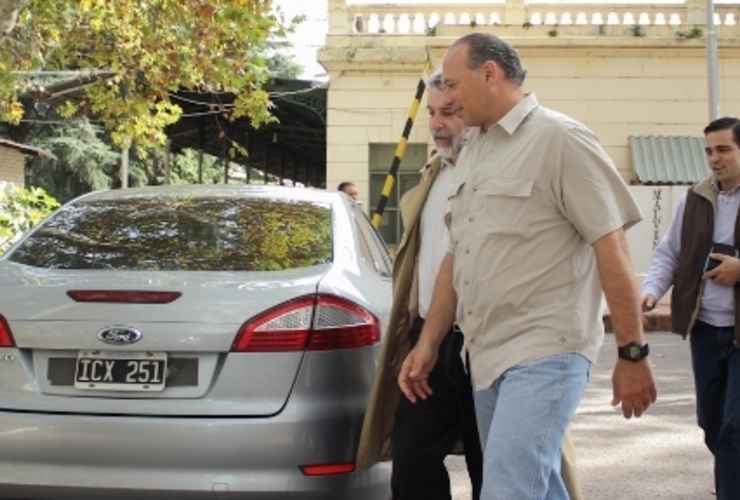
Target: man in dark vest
point(699, 257)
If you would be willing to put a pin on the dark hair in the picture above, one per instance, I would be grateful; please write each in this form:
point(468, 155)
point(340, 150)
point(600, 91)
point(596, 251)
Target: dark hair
point(725, 123)
point(344, 185)
point(483, 47)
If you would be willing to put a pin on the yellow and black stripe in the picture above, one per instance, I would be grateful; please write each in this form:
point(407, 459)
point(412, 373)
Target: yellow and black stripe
point(390, 180)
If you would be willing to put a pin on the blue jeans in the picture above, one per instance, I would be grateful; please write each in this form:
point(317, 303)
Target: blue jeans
point(716, 363)
point(522, 418)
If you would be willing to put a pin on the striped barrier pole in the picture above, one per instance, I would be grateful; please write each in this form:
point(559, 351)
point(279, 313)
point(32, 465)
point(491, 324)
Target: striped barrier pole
point(400, 149)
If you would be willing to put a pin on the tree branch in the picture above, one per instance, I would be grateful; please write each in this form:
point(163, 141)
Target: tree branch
point(9, 10)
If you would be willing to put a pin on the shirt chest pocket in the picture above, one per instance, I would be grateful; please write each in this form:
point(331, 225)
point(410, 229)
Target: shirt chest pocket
point(454, 196)
point(506, 206)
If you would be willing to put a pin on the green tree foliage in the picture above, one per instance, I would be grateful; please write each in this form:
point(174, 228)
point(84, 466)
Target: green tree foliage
point(20, 210)
point(149, 169)
point(87, 161)
point(280, 62)
point(84, 161)
point(152, 48)
point(194, 233)
point(282, 65)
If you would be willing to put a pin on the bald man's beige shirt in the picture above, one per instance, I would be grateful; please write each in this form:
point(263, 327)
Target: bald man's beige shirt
point(529, 198)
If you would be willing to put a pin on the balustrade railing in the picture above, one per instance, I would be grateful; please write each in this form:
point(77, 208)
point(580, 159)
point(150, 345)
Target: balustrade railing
point(420, 19)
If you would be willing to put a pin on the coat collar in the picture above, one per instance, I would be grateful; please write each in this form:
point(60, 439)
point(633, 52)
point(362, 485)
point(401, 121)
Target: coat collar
point(413, 200)
point(706, 189)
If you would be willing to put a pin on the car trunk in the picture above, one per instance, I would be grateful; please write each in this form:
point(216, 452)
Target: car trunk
point(192, 335)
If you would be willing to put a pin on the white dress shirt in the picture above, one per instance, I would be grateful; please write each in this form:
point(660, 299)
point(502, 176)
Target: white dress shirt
point(434, 238)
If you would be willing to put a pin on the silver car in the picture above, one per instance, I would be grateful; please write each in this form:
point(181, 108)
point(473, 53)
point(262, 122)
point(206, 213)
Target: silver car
point(192, 342)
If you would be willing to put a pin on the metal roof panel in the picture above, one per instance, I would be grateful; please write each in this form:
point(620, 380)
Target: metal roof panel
point(668, 159)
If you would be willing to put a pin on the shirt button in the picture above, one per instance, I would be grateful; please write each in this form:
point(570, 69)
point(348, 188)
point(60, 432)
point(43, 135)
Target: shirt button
point(470, 312)
point(467, 250)
point(475, 188)
point(471, 219)
point(466, 282)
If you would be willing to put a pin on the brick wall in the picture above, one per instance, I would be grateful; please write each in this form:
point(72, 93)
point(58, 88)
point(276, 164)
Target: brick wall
point(12, 162)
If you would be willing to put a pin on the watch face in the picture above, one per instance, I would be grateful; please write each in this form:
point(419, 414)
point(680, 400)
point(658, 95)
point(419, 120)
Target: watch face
point(635, 351)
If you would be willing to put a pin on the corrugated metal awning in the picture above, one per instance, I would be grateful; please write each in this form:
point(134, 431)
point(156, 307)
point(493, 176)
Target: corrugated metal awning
point(668, 160)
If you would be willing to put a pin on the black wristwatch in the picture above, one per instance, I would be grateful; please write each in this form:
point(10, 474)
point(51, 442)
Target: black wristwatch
point(634, 351)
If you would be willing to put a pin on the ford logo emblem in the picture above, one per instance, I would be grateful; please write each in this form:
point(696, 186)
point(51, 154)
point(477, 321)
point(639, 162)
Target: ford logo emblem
point(119, 335)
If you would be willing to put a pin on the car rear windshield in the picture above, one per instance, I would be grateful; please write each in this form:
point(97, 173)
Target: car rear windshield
point(192, 234)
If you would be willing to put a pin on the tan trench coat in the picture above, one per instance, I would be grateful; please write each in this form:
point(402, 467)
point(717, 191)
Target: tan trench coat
point(375, 438)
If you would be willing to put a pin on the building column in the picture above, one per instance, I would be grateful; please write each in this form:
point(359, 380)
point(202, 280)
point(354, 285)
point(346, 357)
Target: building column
point(338, 17)
point(515, 12)
point(696, 12)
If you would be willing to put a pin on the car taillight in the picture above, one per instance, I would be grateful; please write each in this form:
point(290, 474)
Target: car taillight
point(315, 323)
point(328, 469)
point(282, 328)
point(123, 296)
point(341, 324)
point(6, 338)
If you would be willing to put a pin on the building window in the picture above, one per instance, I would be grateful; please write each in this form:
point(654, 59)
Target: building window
point(409, 173)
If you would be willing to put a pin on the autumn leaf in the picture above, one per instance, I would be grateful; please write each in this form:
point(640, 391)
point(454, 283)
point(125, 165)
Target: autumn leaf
point(206, 11)
point(154, 48)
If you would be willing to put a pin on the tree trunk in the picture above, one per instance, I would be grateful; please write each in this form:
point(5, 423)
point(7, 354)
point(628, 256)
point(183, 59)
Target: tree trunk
point(9, 10)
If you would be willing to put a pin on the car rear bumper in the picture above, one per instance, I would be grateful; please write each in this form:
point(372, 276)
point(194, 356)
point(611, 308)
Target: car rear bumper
point(77, 456)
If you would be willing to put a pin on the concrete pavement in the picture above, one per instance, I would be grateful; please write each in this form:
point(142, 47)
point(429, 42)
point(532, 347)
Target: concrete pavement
point(660, 455)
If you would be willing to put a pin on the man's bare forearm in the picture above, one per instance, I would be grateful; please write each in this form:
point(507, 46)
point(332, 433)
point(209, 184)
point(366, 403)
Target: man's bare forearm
point(618, 281)
point(442, 311)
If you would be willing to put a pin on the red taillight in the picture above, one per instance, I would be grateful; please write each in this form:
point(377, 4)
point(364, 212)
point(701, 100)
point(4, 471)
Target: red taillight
point(328, 469)
point(316, 323)
point(123, 296)
point(341, 324)
point(282, 328)
point(6, 338)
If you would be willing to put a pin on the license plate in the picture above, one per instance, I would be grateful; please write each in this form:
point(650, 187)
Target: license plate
point(121, 371)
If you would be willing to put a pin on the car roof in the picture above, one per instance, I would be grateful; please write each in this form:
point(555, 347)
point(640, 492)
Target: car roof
point(216, 190)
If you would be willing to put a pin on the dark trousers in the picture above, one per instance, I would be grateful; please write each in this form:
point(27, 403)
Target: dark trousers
point(716, 363)
point(425, 432)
